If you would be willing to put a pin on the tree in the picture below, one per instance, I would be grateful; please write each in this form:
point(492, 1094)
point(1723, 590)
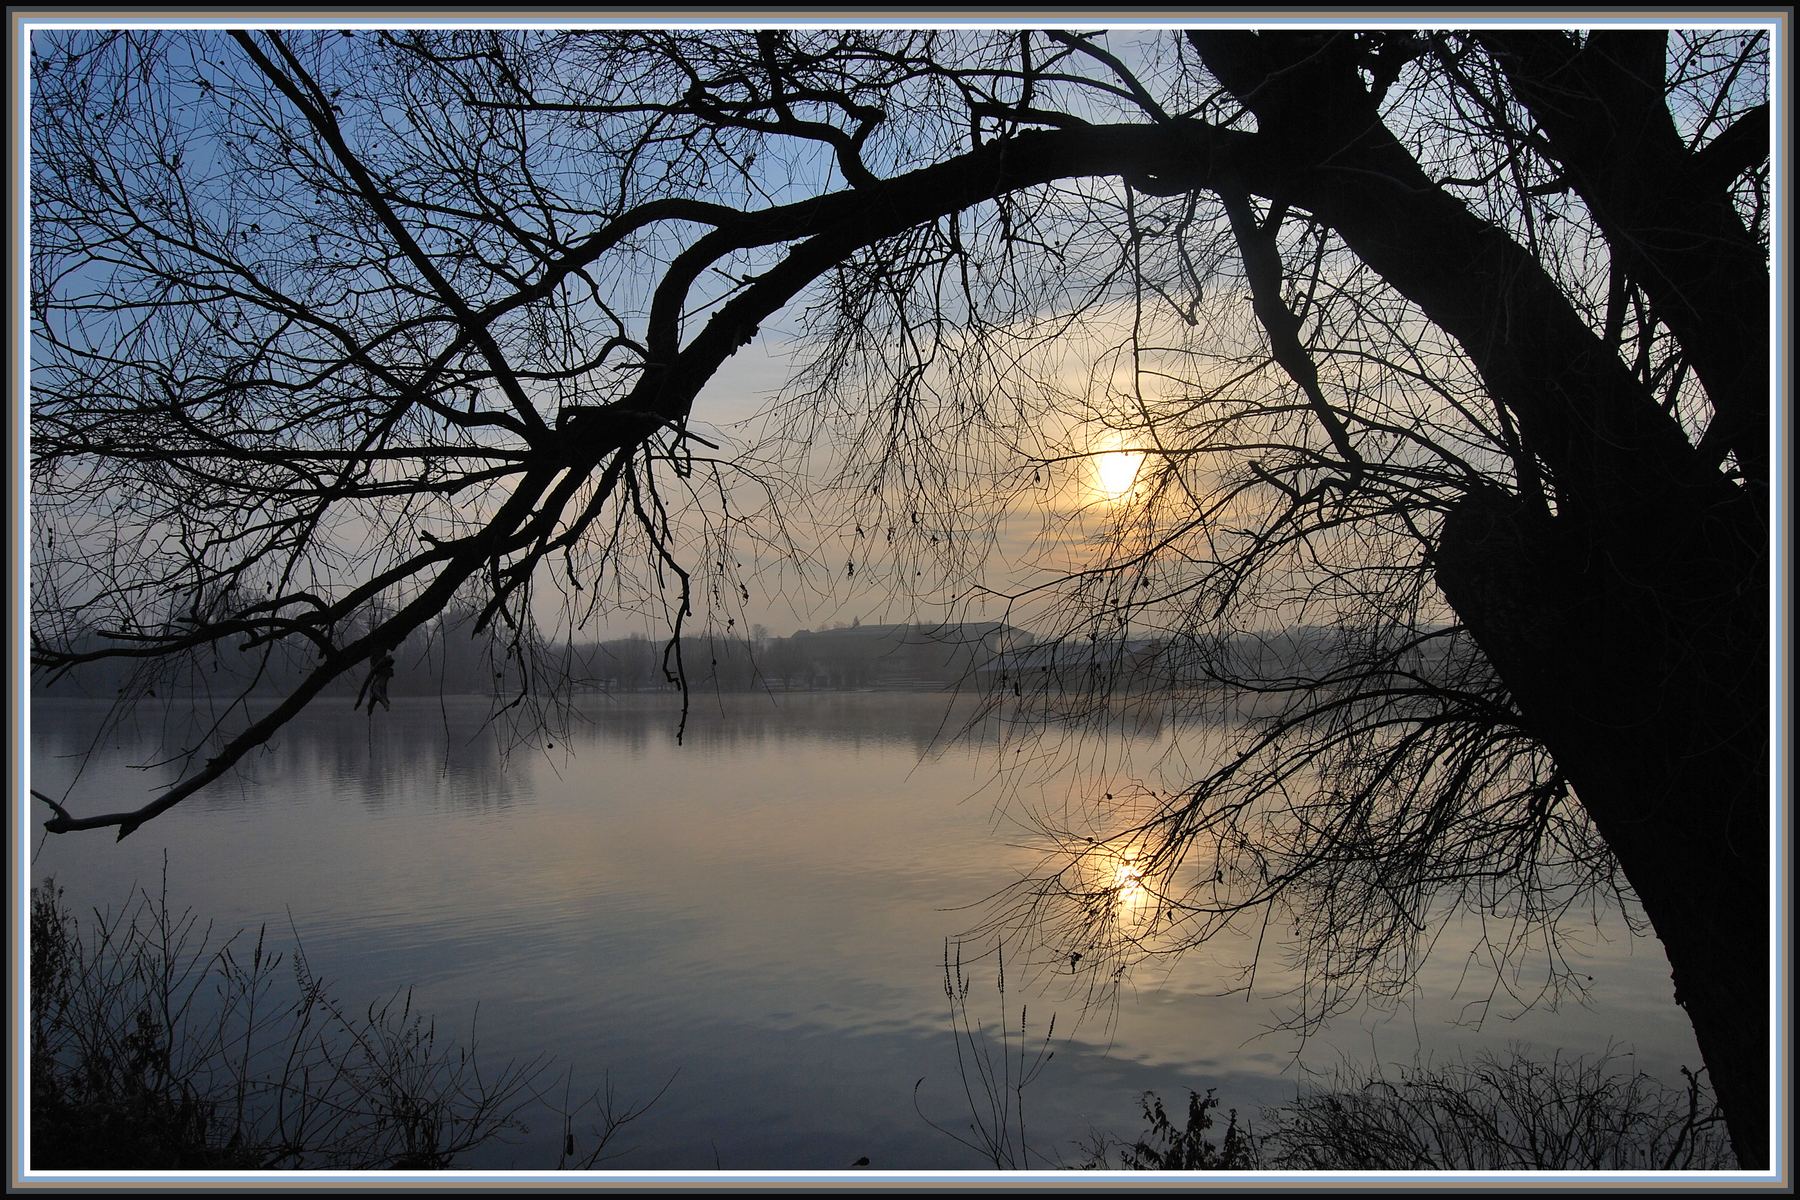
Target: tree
point(1453, 343)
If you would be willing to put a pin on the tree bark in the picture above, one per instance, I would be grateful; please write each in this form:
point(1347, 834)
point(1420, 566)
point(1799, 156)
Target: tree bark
point(1668, 219)
point(1629, 621)
point(1650, 694)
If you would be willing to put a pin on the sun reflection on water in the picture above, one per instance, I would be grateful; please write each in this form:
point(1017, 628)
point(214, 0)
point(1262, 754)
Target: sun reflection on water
point(1132, 899)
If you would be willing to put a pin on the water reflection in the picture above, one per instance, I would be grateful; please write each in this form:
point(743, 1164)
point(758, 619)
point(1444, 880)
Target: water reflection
point(442, 753)
point(1131, 895)
point(763, 908)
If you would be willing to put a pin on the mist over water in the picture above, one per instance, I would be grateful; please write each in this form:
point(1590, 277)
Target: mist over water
point(757, 918)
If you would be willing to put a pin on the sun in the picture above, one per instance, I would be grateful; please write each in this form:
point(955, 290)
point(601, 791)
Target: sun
point(1116, 473)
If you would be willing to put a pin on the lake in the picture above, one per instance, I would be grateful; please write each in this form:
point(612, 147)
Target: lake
point(756, 918)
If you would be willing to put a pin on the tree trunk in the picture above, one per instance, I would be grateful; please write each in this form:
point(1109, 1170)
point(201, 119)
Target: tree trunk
point(1666, 211)
point(1645, 678)
point(1628, 613)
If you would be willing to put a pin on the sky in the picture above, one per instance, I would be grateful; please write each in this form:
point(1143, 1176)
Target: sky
point(210, 123)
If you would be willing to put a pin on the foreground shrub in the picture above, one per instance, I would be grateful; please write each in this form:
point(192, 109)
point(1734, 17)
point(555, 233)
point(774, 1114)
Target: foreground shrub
point(1492, 1113)
point(1165, 1147)
point(1499, 1113)
point(155, 1047)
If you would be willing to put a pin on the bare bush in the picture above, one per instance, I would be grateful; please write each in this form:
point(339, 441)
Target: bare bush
point(156, 1046)
point(1500, 1113)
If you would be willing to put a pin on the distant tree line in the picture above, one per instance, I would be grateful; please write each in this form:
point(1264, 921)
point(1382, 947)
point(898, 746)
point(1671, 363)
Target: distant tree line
point(451, 657)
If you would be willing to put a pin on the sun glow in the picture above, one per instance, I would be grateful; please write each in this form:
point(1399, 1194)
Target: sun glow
point(1116, 472)
point(1132, 900)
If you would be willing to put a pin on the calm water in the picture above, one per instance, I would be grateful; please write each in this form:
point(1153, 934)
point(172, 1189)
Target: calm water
point(758, 915)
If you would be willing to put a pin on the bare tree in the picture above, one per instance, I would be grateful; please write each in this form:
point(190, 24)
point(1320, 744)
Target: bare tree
point(1453, 344)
